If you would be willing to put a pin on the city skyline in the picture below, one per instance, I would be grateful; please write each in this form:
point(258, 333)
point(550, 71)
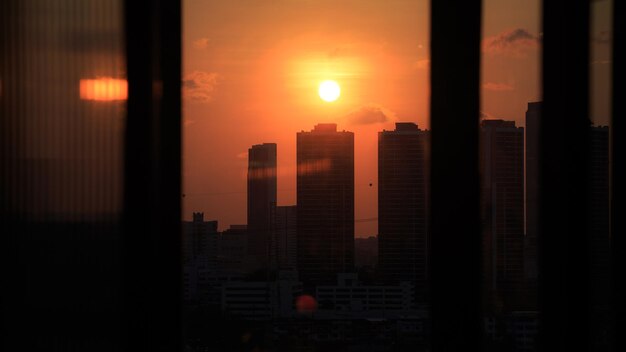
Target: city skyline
point(533, 107)
point(259, 80)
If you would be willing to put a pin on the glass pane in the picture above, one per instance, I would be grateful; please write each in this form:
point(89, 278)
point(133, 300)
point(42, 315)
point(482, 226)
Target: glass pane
point(599, 203)
point(510, 109)
point(62, 95)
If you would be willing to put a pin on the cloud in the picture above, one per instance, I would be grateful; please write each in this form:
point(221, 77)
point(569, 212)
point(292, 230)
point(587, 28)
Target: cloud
point(199, 86)
point(423, 64)
point(370, 114)
point(497, 87)
point(201, 43)
point(514, 43)
point(486, 116)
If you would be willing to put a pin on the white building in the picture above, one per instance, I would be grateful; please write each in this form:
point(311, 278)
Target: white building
point(262, 300)
point(366, 300)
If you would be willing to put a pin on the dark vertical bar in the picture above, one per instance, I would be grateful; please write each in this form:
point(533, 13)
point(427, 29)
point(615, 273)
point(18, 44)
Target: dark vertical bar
point(618, 176)
point(564, 180)
point(152, 212)
point(455, 238)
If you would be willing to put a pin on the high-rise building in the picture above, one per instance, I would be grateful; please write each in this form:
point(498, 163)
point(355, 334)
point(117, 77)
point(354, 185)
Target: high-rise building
point(502, 164)
point(200, 259)
point(199, 238)
point(284, 230)
point(233, 252)
point(325, 192)
point(533, 116)
point(402, 205)
point(261, 199)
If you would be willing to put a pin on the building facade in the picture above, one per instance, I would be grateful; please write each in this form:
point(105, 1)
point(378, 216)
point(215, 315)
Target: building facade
point(200, 259)
point(325, 197)
point(402, 205)
point(261, 199)
point(262, 300)
point(356, 300)
point(533, 116)
point(284, 232)
point(502, 170)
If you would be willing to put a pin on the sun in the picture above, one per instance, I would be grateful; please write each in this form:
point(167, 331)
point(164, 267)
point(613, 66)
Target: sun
point(329, 91)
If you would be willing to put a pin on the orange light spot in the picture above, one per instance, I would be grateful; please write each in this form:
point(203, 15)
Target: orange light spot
point(306, 304)
point(104, 89)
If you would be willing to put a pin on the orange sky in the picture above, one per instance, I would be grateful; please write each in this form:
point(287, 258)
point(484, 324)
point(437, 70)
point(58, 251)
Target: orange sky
point(252, 67)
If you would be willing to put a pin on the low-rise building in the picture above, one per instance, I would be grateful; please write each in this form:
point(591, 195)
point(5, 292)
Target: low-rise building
point(366, 300)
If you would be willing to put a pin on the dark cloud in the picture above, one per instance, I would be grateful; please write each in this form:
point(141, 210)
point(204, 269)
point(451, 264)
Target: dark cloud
point(199, 86)
point(512, 43)
point(190, 83)
point(485, 115)
point(370, 114)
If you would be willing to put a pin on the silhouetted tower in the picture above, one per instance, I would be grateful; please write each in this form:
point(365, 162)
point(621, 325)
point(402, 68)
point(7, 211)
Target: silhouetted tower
point(284, 234)
point(402, 205)
point(502, 163)
point(325, 209)
point(533, 116)
point(199, 238)
point(261, 199)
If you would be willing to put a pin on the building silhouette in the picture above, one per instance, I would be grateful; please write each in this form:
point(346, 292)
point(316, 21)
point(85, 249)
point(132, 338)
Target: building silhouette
point(598, 241)
point(502, 169)
point(325, 211)
point(284, 231)
point(200, 260)
point(402, 206)
point(533, 116)
point(351, 298)
point(261, 199)
point(233, 257)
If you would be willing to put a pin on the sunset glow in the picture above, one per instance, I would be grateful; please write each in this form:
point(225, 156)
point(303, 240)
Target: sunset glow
point(329, 91)
point(103, 89)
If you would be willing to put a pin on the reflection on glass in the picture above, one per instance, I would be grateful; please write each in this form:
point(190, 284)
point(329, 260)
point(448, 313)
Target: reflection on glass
point(103, 89)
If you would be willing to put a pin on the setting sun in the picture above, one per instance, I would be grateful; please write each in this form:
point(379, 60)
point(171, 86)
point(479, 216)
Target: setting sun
point(329, 91)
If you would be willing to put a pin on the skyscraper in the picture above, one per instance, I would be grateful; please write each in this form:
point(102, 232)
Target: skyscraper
point(284, 232)
point(261, 199)
point(325, 208)
point(502, 164)
point(533, 116)
point(200, 259)
point(402, 205)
